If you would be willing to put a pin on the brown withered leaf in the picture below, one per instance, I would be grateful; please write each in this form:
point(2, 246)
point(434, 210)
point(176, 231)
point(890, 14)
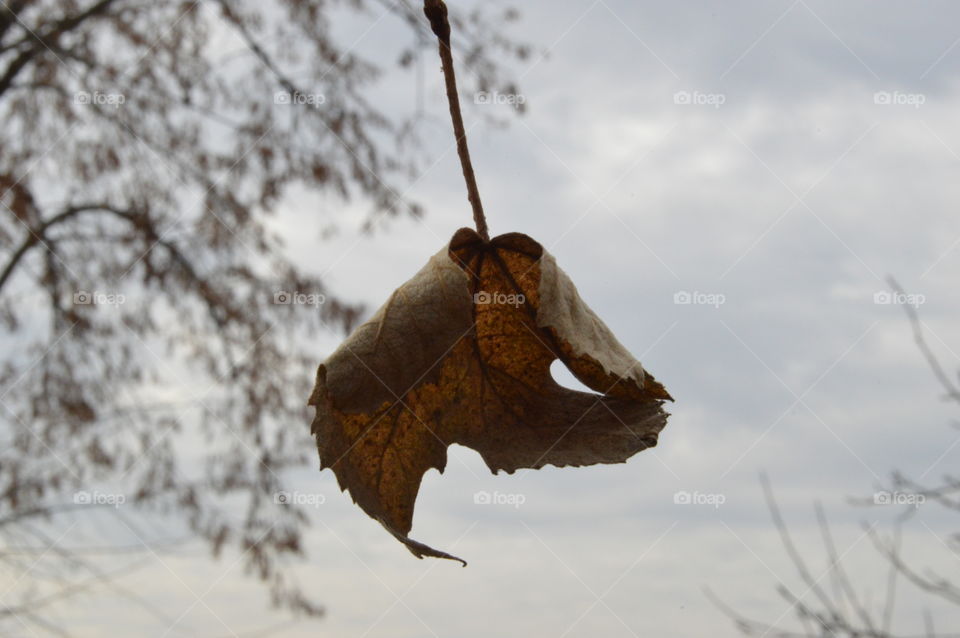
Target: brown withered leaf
point(461, 354)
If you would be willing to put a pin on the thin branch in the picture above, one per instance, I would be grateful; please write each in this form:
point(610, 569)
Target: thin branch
point(255, 47)
point(436, 12)
point(37, 235)
point(795, 557)
point(8, 14)
point(928, 624)
point(953, 392)
point(941, 588)
point(843, 579)
point(892, 579)
point(48, 40)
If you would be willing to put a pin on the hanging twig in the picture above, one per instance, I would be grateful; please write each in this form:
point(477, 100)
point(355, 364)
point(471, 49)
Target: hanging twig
point(836, 568)
point(953, 390)
point(436, 12)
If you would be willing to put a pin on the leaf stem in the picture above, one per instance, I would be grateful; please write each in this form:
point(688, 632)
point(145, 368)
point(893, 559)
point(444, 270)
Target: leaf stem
point(436, 12)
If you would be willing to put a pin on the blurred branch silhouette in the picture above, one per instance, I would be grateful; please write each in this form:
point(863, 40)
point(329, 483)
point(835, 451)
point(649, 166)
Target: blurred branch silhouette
point(143, 151)
point(839, 611)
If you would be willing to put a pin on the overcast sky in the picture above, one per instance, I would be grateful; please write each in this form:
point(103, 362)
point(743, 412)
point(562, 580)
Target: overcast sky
point(774, 161)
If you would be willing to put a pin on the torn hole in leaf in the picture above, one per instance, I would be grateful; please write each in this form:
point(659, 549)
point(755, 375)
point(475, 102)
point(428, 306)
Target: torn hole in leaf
point(562, 375)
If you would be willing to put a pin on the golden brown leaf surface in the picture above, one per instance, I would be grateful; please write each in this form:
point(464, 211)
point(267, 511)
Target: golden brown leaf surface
point(461, 354)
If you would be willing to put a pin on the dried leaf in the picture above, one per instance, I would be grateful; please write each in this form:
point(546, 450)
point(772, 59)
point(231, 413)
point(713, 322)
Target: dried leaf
point(461, 354)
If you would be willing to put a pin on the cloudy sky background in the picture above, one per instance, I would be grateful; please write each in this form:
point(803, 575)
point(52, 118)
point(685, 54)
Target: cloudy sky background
point(790, 201)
